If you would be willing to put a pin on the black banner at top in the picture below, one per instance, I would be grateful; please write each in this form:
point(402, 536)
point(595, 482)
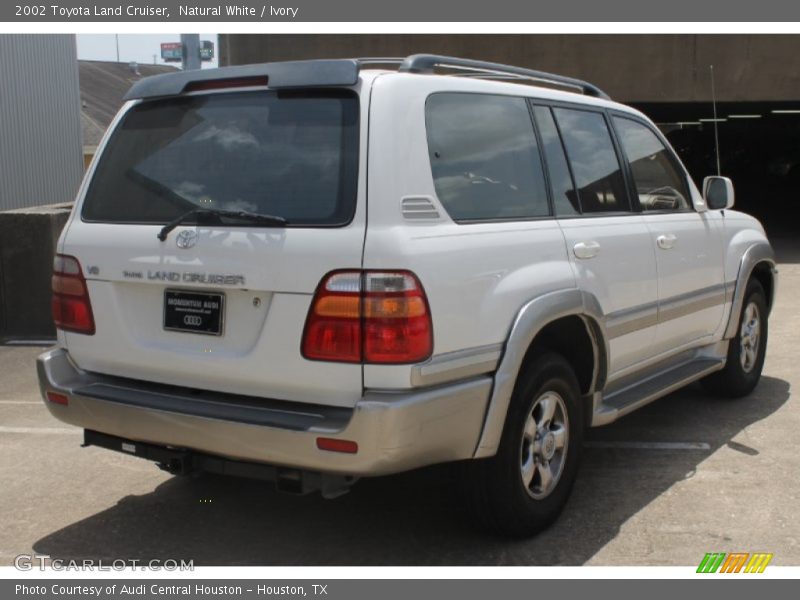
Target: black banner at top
point(444, 11)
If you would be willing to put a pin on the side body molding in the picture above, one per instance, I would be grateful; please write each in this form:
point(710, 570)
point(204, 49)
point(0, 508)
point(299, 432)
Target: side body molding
point(530, 320)
point(755, 254)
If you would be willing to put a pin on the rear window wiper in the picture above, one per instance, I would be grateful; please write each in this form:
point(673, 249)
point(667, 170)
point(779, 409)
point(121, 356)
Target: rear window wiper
point(218, 214)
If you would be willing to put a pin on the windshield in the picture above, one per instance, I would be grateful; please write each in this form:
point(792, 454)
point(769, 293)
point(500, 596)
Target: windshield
point(289, 154)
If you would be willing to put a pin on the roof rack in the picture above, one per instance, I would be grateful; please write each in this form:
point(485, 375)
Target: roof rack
point(341, 72)
point(427, 63)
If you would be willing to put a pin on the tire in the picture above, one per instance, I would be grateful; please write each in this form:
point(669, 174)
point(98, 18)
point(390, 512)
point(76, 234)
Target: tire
point(745, 360)
point(509, 494)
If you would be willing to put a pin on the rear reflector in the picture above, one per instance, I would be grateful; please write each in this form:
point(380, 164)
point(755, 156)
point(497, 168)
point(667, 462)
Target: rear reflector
point(334, 445)
point(369, 317)
point(71, 307)
point(57, 398)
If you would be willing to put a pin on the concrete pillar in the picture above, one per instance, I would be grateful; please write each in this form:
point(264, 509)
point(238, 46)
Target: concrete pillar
point(191, 51)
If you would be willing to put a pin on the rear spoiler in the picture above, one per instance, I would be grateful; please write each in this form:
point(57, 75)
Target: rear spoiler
point(293, 74)
point(342, 72)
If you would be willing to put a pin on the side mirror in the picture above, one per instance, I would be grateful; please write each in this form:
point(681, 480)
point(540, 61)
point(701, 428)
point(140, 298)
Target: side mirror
point(718, 192)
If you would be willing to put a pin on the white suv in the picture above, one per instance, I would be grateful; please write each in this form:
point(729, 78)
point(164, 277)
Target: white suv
point(314, 271)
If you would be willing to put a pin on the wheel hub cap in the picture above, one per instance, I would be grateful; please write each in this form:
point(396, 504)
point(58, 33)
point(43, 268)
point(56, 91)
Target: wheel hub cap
point(549, 445)
point(749, 337)
point(543, 448)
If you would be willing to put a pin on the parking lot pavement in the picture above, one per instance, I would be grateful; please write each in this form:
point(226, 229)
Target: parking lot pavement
point(683, 476)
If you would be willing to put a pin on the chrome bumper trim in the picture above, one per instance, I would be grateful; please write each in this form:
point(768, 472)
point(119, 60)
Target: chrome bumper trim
point(454, 366)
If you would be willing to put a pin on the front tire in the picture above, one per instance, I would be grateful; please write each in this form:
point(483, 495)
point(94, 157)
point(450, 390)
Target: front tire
point(524, 487)
point(746, 351)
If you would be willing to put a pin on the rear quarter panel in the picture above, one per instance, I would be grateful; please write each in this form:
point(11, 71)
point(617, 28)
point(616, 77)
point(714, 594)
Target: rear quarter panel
point(476, 276)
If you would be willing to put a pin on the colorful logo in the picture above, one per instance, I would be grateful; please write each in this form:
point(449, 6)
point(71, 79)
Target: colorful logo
point(734, 562)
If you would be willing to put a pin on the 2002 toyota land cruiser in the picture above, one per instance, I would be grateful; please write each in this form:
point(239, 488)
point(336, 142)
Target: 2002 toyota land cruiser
point(372, 270)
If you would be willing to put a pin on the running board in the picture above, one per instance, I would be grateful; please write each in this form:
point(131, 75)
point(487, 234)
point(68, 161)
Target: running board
point(621, 402)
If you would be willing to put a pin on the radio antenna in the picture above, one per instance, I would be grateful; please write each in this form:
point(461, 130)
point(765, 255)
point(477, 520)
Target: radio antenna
point(716, 121)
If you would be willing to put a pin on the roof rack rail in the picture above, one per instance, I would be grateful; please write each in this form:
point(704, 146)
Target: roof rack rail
point(340, 72)
point(426, 63)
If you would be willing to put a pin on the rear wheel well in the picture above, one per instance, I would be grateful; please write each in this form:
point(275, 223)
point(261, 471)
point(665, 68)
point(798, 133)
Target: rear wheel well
point(762, 273)
point(569, 337)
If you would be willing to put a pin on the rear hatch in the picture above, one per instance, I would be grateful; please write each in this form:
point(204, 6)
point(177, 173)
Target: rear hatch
point(220, 303)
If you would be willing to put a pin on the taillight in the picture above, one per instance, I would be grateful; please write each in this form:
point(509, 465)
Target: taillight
point(397, 323)
point(369, 316)
point(72, 310)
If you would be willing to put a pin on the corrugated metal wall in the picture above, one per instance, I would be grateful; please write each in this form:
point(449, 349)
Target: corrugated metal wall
point(41, 158)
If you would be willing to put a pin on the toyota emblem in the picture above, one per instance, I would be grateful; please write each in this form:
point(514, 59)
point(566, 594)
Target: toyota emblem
point(186, 238)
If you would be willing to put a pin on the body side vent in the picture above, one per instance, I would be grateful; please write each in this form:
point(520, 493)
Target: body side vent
point(419, 207)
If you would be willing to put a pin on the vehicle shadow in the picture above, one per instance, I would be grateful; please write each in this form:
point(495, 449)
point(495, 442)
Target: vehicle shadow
point(413, 519)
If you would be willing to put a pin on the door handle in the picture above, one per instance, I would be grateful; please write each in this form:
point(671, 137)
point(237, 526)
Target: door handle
point(586, 249)
point(666, 241)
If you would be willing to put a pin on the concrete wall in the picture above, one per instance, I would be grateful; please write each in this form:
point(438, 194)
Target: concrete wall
point(41, 159)
point(631, 68)
point(28, 239)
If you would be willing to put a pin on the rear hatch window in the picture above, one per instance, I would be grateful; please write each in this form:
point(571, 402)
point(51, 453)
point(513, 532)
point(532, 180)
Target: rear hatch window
point(289, 154)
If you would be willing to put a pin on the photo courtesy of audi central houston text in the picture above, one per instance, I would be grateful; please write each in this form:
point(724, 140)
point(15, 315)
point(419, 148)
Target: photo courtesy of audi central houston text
point(400, 299)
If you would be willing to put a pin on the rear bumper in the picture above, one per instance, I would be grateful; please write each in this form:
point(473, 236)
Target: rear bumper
point(395, 431)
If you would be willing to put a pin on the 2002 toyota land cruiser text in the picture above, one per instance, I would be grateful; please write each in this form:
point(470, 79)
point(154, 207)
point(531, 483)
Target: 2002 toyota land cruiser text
point(314, 271)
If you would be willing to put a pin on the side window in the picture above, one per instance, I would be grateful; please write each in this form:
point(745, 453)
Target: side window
point(659, 184)
point(484, 157)
point(601, 187)
point(565, 200)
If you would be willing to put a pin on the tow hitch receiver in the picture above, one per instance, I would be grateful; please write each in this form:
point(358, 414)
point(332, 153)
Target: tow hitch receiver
point(180, 461)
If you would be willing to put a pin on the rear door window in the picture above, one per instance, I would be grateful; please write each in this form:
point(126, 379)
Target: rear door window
point(484, 157)
point(565, 200)
point(598, 176)
point(293, 155)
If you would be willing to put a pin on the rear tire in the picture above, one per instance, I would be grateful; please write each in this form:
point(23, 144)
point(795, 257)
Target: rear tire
point(523, 488)
point(746, 351)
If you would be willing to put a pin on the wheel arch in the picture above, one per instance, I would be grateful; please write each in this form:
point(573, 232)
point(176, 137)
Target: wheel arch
point(763, 272)
point(757, 262)
point(569, 322)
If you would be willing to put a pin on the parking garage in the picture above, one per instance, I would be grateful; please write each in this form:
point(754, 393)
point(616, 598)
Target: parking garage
point(756, 85)
point(759, 148)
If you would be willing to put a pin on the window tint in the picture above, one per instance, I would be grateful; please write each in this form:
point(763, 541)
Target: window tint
point(565, 200)
point(484, 157)
point(659, 185)
point(601, 187)
point(294, 155)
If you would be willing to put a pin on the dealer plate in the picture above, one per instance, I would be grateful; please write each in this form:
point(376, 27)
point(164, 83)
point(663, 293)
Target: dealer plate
point(194, 312)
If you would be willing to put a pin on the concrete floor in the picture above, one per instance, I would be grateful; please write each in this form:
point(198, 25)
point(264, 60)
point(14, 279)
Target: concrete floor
point(630, 506)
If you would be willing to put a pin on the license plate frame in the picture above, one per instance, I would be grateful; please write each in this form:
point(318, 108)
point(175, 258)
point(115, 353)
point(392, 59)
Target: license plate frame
point(191, 311)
